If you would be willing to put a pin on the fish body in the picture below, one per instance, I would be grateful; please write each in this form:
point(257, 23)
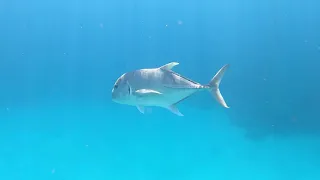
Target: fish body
point(161, 87)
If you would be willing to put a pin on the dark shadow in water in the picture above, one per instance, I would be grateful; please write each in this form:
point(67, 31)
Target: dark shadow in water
point(281, 105)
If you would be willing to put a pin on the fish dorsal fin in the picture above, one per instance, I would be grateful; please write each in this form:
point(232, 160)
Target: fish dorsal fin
point(169, 66)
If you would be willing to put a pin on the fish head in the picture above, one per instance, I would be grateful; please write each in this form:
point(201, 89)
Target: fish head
point(121, 91)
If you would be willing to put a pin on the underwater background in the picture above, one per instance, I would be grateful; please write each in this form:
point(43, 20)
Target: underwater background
point(60, 59)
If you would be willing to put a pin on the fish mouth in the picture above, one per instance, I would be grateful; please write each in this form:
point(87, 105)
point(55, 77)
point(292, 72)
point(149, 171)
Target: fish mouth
point(113, 97)
point(114, 100)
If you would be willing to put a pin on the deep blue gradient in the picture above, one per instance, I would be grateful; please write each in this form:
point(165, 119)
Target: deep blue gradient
point(59, 61)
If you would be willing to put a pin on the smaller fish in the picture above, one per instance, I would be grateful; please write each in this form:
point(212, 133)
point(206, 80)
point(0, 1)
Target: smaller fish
point(162, 87)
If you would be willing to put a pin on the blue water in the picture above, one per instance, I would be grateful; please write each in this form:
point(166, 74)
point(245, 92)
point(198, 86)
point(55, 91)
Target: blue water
point(59, 61)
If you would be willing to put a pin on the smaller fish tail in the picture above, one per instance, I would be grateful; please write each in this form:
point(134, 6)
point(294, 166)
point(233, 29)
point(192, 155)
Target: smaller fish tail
point(214, 86)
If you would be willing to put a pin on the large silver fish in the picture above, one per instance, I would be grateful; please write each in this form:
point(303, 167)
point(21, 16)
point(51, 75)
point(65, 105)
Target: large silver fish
point(162, 87)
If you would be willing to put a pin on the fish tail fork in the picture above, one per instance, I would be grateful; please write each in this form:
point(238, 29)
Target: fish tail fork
point(214, 86)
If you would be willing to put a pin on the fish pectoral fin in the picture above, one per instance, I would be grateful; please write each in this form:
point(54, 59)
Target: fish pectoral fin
point(175, 110)
point(169, 66)
point(141, 109)
point(146, 92)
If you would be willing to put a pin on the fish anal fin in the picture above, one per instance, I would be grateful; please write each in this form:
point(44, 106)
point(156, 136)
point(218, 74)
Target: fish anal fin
point(141, 109)
point(169, 66)
point(173, 108)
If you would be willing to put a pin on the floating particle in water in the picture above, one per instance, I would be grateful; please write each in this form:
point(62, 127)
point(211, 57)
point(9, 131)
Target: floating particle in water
point(53, 171)
point(25, 26)
point(8, 109)
point(318, 48)
point(101, 25)
point(180, 22)
point(265, 79)
point(166, 25)
point(87, 145)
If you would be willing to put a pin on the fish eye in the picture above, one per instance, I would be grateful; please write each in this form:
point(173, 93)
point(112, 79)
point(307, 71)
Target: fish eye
point(116, 86)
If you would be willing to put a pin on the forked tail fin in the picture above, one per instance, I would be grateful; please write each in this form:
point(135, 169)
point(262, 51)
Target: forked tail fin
point(214, 86)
